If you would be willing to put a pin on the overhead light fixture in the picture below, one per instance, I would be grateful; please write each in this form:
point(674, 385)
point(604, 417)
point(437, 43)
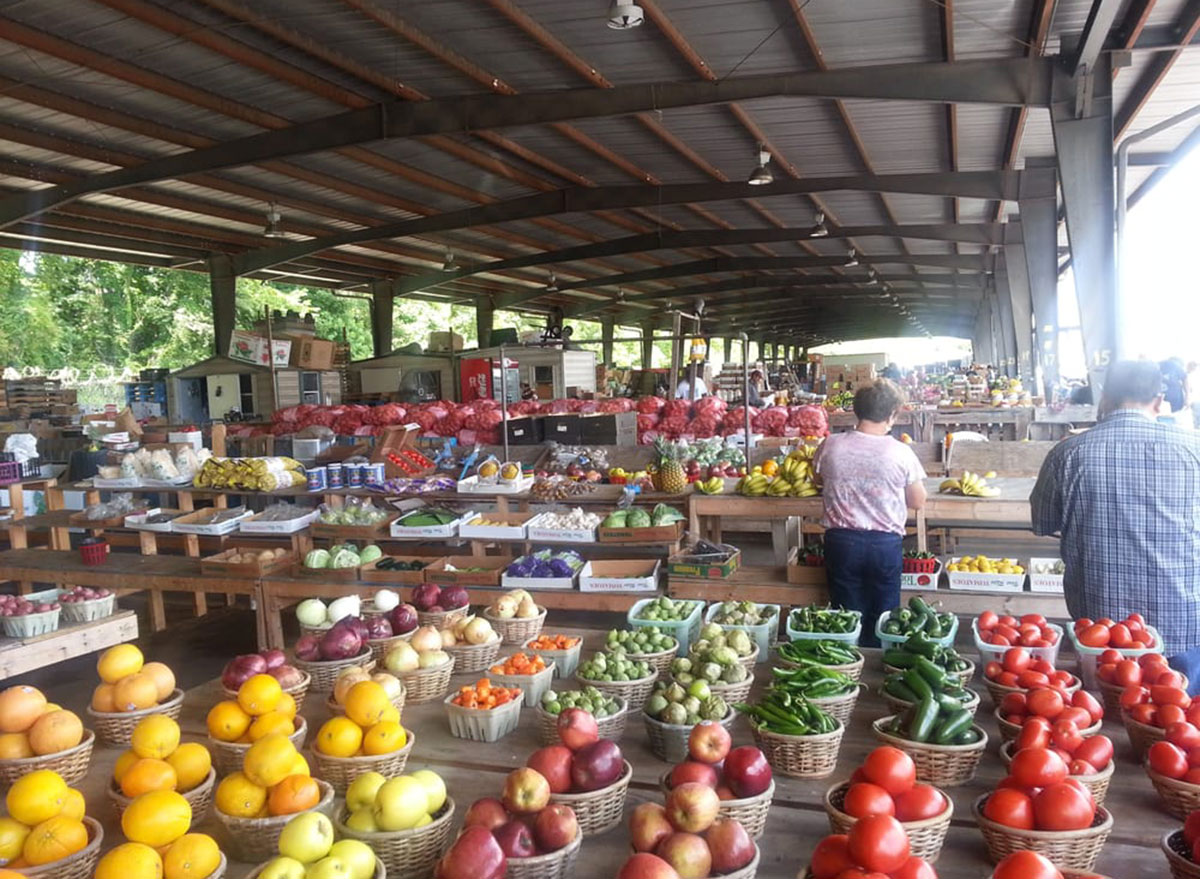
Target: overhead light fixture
point(851, 258)
point(819, 229)
point(272, 229)
point(623, 16)
point(552, 284)
point(448, 264)
point(761, 175)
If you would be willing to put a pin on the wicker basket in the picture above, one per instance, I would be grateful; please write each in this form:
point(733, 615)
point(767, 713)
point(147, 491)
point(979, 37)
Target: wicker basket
point(660, 661)
point(199, 798)
point(71, 764)
point(439, 619)
point(939, 765)
point(1141, 735)
point(838, 707)
point(380, 646)
point(555, 865)
point(925, 837)
point(298, 692)
point(964, 677)
point(116, 727)
point(899, 706)
point(408, 854)
point(228, 756)
point(256, 839)
point(380, 870)
point(611, 727)
point(483, 725)
point(81, 865)
point(1009, 731)
point(565, 661)
point(1097, 783)
point(1178, 797)
point(1068, 849)
point(1179, 856)
point(750, 661)
point(633, 692)
point(750, 812)
point(669, 741)
point(336, 709)
point(323, 673)
point(800, 756)
point(1110, 695)
point(999, 691)
point(852, 670)
point(599, 810)
point(474, 658)
point(427, 684)
point(341, 771)
point(750, 870)
point(731, 693)
point(515, 631)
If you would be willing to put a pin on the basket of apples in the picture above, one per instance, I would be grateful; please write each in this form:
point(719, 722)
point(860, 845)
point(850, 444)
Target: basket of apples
point(886, 784)
point(1115, 674)
point(342, 646)
point(1147, 711)
point(1038, 807)
point(520, 835)
point(406, 820)
point(306, 846)
point(25, 616)
point(585, 772)
point(1052, 704)
point(84, 604)
point(1172, 767)
point(742, 776)
point(1181, 849)
point(1026, 865)
point(686, 836)
point(1018, 671)
point(1090, 757)
point(873, 846)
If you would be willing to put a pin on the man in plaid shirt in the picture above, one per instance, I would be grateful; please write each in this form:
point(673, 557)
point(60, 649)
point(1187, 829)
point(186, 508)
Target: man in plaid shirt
point(1125, 496)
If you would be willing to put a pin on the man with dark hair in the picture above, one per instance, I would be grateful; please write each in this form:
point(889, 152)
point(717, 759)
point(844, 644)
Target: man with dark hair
point(1125, 497)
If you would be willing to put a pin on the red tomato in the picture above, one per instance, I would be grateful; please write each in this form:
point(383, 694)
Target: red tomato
point(1127, 673)
point(1006, 679)
point(1161, 695)
point(1030, 679)
point(1009, 782)
point(1062, 807)
point(830, 857)
point(1191, 827)
point(1063, 755)
point(1193, 715)
point(1166, 715)
point(1083, 789)
point(1042, 666)
point(1136, 618)
point(1143, 638)
point(915, 868)
point(1025, 864)
point(998, 640)
point(1120, 637)
point(859, 873)
point(1008, 620)
point(891, 769)
point(923, 801)
point(1081, 767)
point(1153, 660)
point(987, 620)
point(1062, 679)
point(1007, 632)
point(1106, 672)
point(1167, 759)
point(878, 842)
point(1045, 703)
point(864, 799)
point(1110, 657)
point(1192, 776)
point(1035, 733)
point(1080, 716)
point(1010, 807)
point(1096, 635)
point(1013, 703)
point(1016, 659)
point(1037, 767)
point(1082, 624)
point(1085, 700)
point(1184, 735)
point(992, 670)
point(1131, 696)
point(1049, 634)
point(1097, 750)
point(1170, 678)
point(1106, 622)
point(1065, 735)
point(1144, 713)
point(1194, 757)
point(1030, 638)
point(1033, 619)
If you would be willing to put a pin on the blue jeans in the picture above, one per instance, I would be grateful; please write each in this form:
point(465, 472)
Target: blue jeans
point(863, 571)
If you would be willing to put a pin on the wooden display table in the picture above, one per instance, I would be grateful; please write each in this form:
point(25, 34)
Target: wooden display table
point(20, 655)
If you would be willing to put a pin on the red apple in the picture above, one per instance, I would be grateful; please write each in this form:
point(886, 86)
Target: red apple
point(648, 826)
point(730, 845)
point(526, 790)
point(692, 808)
point(516, 839)
point(555, 827)
point(691, 771)
point(645, 866)
point(688, 854)
point(554, 762)
point(709, 742)
point(596, 765)
point(577, 728)
point(474, 855)
point(747, 772)
point(488, 813)
point(724, 793)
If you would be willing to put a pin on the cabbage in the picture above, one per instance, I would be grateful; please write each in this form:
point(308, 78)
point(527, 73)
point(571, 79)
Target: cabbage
point(346, 606)
point(344, 558)
point(385, 599)
point(311, 612)
point(317, 558)
point(339, 547)
point(370, 553)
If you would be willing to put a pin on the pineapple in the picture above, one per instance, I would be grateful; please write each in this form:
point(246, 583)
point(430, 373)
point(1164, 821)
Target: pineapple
point(670, 477)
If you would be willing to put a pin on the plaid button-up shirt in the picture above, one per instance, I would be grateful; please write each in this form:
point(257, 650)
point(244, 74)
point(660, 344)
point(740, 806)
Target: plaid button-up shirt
point(1125, 497)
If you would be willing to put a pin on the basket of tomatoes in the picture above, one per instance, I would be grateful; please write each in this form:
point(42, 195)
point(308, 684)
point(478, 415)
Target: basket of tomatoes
point(1115, 674)
point(994, 633)
point(1181, 849)
point(484, 712)
point(1131, 638)
point(1018, 671)
point(1148, 711)
point(527, 671)
point(874, 846)
point(1052, 704)
point(1030, 865)
point(562, 650)
point(1091, 757)
point(1172, 771)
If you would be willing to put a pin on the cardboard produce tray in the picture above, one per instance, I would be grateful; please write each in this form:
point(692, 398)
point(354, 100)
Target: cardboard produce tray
point(659, 534)
point(219, 566)
point(371, 573)
point(619, 575)
point(354, 533)
point(493, 566)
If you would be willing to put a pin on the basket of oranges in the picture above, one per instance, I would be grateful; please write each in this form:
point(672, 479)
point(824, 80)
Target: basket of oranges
point(60, 841)
point(368, 738)
point(40, 735)
point(157, 761)
point(130, 690)
point(261, 708)
point(336, 703)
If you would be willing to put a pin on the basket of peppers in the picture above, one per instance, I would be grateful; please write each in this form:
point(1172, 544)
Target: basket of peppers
point(798, 738)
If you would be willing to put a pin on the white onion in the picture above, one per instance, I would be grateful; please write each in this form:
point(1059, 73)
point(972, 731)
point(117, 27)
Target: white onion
point(386, 599)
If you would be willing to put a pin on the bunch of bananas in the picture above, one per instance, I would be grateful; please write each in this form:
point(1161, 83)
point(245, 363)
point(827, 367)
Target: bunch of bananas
point(713, 485)
point(753, 485)
point(970, 485)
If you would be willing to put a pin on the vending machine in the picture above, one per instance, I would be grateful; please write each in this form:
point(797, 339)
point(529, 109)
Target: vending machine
point(480, 379)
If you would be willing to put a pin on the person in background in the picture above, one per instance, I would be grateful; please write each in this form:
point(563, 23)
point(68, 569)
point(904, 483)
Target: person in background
point(528, 393)
point(1175, 383)
point(1125, 498)
point(891, 372)
point(870, 482)
point(1081, 394)
point(758, 384)
point(691, 380)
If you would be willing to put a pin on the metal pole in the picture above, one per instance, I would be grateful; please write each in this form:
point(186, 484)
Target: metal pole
point(504, 398)
point(271, 360)
point(746, 394)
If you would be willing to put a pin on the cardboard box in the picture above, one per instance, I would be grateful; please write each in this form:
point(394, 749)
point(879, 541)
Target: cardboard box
point(250, 348)
point(618, 429)
point(445, 341)
point(193, 438)
point(537, 531)
point(510, 526)
point(492, 566)
point(922, 581)
point(563, 429)
point(985, 582)
point(619, 575)
point(653, 534)
point(1052, 583)
point(680, 566)
point(309, 353)
point(536, 583)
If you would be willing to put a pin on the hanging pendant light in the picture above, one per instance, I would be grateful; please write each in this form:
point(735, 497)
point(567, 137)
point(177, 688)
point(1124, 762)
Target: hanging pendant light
point(552, 284)
point(761, 175)
point(448, 264)
point(272, 229)
point(851, 259)
point(819, 229)
point(623, 16)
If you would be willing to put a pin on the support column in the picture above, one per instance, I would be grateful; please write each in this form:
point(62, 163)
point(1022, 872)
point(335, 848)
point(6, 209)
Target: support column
point(222, 284)
point(483, 321)
point(647, 345)
point(607, 326)
point(1039, 247)
point(727, 348)
point(1008, 345)
point(982, 342)
point(676, 348)
point(1017, 282)
point(383, 301)
point(1083, 139)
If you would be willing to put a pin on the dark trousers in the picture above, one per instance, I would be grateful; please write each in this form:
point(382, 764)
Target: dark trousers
point(863, 571)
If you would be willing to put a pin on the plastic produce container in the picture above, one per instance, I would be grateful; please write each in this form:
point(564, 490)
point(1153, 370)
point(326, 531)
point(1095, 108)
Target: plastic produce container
point(887, 641)
point(1089, 655)
point(850, 637)
point(763, 634)
point(993, 653)
point(684, 631)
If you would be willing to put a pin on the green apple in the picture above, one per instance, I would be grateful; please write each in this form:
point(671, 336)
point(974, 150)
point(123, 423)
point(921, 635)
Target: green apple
point(282, 868)
point(361, 793)
point(400, 803)
point(329, 868)
point(363, 820)
point(307, 837)
point(435, 789)
point(356, 855)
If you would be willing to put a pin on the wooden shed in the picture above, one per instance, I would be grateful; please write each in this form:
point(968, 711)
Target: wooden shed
point(552, 372)
point(401, 373)
point(209, 390)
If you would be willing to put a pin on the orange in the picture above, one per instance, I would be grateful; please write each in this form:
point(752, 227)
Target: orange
point(227, 722)
point(20, 706)
point(191, 762)
point(104, 698)
point(366, 702)
point(384, 738)
point(271, 723)
point(10, 874)
point(239, 797)
point(155, 736)
point(269, 760)
point(73, 805)
point(296, 793)
point(163, 677)
point(391, 713)
point(127, 759)
point(192, 856)
point(55, 732)
point(119, 662)
point(157, 818)
point(135, 693)
point(14, 746)
point(339, 737)
point(146, 775)
point(36, 796)
point(259, 694)
point(12, 839)
point(287, 705)
point(55, 839)
point(130, 860)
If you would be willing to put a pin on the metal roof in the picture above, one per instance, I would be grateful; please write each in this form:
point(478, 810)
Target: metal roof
point(90, 87)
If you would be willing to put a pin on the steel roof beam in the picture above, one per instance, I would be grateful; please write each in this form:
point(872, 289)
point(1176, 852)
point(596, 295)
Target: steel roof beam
point(1183, 31)
point(1095, 34)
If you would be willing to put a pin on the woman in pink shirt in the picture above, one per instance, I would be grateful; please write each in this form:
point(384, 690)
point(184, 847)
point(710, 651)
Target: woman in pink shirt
point(869, 481)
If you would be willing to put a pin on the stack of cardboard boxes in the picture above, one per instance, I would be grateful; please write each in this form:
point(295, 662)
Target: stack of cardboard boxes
point(848, 377)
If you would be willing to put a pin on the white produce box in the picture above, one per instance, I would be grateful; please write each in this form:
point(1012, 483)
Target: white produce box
point(472, 485)
point(512, 529)
point(619, 575)
point(254, 525)
point(538, 531)
point(1044, 582)
point(450, 529)
point(985, 582)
